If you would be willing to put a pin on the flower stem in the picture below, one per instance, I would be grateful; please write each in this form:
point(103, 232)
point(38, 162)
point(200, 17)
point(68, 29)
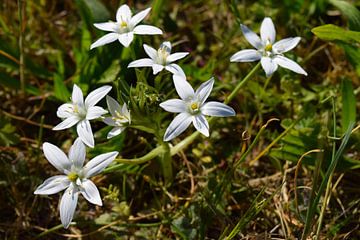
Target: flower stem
point(21, 47)
point(241, 84)
point(185, 142)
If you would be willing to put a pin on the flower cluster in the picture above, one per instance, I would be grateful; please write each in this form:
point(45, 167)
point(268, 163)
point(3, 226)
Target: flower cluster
point(191, 107)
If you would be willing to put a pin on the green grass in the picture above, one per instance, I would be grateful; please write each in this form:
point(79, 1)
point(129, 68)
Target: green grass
point(253, 178)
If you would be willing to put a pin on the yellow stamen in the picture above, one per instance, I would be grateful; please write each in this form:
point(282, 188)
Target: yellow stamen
point(123, 24)
point(194, 106)
point(268, 47)
point(73, 176)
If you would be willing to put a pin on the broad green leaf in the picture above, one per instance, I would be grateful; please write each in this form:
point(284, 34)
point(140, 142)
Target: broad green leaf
point(348, 104)
point(330, 32)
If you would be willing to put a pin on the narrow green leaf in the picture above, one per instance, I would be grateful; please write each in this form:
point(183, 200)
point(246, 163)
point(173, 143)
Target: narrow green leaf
point(350, 11)
point(60, 90)
point(348, 104)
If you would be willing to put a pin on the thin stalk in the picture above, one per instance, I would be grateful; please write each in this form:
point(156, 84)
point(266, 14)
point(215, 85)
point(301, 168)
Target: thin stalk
point(21, 46)
point(274, 142)
point(328, 186)
point(187, 141)
point(241, 84)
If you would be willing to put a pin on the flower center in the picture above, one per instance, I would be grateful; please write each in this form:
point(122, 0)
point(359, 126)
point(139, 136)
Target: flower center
point(268, 47)
point(123, 24)
point(79, 110)
point(162, 55)
point(73, 176)
point(194, 108)
point(120, 119)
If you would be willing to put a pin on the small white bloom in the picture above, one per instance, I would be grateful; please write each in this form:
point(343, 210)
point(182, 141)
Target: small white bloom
point(269, 52)
point(80, 112)
point(76, 177)
point(125, 27)
point(192, 108)
point(120, 117)
point(160, 59)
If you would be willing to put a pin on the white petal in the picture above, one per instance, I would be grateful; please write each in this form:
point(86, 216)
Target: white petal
point(203, 92)
point(53, 185)
point(268, 65)
point(106, 26)
point(178, 125)
point(67, 123)
point(126, 38)
point(139, 17)
point(77, 153)
point(95, 96)
point(90, 192)
point(289, 64)
point(144, 62)
point(247, 55)
point(66, 110)
point(251, 37)
point(77, 96)
point(147, 30)
point(175, 69)
point(167, 46)
point(176, 56)
point(107, 38)
point(217, 109)
point(115, 131)
point(68, 204)
point(98, 163)
point(123, 13)
point(267, 30)
point(157, 68)
point(85, 133)
point(201, 124)
point(125, 112)
point(183, 88)
point(110, 121)
point(286, 44)
point(56, 157)
point(113, 105)
point(174, 105)
point(151, 52)
point(95, 112)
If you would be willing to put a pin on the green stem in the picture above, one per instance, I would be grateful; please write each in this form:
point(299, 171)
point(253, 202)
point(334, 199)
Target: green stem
point(328, 186)
point(166, 163)
point(241, 84)
point(21, 47)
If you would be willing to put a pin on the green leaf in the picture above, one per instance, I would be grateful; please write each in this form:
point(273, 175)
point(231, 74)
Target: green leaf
point(330, 32)
point(350, 11)
point(60, 90)
point(348, 104)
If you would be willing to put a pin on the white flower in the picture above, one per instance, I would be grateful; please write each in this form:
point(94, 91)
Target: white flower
point(192, 108)
point(125, 27)
point(269, 51)
point(80, 112)
point(76, 177)
point(120, 117)
point(161, 59)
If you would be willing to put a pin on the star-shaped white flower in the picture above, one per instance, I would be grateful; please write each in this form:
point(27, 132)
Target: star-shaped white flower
point(267, 50)
point(75, 179)
point(125, 27)
point(120, 117)
point(80, 112)
point(160, 59)
point(192, 108)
